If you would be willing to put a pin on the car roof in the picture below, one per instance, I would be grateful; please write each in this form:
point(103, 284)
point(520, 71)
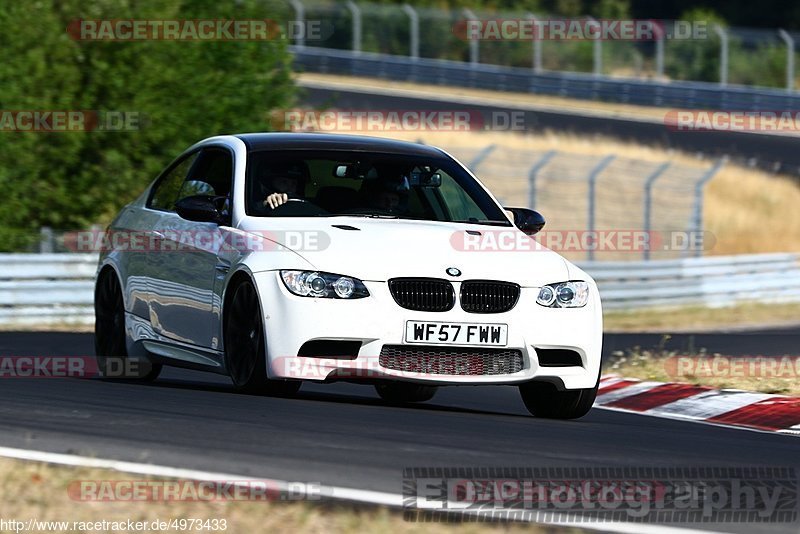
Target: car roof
point(321, 141)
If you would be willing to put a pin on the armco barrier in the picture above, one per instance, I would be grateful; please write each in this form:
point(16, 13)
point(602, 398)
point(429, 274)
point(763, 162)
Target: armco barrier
point(56, 289)
point(677, 94)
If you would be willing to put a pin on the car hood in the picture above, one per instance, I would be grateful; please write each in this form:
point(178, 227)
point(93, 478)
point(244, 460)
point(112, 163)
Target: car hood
point(379, 249)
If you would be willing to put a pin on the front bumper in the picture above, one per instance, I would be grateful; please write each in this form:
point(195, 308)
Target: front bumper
point(377, 320)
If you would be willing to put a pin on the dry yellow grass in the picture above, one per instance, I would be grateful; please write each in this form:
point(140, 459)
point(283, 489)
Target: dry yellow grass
point(749, 211)
point(33, 490)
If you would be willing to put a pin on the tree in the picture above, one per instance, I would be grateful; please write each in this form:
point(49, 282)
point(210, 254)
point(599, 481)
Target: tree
point(183, 91)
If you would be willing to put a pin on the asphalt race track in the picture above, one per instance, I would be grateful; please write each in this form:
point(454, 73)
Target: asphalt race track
point(342, 434)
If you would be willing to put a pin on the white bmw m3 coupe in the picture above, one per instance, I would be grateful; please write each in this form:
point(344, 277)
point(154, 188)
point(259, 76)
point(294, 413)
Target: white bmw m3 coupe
point(280, 258)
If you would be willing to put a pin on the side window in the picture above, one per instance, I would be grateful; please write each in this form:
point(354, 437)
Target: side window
point(211, 175)
point(165, 192)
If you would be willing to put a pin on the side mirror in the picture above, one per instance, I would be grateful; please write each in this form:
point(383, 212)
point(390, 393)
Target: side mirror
point(529, 221)
point(198, 208)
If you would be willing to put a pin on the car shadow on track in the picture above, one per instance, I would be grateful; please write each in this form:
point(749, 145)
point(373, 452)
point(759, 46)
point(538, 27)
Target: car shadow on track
point(317, 396)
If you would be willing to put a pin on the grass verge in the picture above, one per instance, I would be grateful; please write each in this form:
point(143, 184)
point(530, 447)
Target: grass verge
point(662, 365)
point(34, 490)
point(555, 103)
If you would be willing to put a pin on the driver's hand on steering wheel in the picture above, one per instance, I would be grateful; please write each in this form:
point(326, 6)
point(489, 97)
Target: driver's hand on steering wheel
point(275, 199)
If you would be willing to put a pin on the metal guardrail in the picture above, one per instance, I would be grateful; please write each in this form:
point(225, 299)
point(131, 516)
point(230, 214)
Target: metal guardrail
point(47, 289)
point(689, 95)
point(711, 281)
point(57, 289)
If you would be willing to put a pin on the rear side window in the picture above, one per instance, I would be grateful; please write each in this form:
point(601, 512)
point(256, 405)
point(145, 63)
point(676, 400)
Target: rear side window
point(166, 190)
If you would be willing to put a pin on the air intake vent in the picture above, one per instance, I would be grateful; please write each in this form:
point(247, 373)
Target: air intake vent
point(423, 294)
point(472, 361)
point(488, 296)
point(558, 358)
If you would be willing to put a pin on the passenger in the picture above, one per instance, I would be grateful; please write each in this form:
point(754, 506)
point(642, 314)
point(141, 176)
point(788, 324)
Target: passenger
point(389, 195)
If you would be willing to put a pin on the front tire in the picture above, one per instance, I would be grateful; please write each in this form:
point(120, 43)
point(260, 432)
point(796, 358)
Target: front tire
point(402, 392)
point(542, 399)
point(110, 345)
point(245, 354)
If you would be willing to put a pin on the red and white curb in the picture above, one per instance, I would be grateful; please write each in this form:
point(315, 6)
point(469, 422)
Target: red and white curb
point(725, 407)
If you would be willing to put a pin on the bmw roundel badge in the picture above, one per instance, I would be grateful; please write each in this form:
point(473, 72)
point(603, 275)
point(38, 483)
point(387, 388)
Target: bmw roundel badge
point(452, 271)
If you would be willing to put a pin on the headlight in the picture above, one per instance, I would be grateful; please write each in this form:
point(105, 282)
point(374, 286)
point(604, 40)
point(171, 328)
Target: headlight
point(325, 285)
point(573, 294)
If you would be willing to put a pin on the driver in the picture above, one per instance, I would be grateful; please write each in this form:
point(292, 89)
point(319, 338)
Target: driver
point(282, 181)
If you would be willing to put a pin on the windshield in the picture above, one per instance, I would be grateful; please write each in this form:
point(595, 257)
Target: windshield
point(339, 183)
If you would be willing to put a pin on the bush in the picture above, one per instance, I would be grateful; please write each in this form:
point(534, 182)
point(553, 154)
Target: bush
point(185, 91)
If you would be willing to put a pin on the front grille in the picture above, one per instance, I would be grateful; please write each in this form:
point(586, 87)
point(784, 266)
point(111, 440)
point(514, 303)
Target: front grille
point(423, 294)
point(468, 361)
point(488, 296)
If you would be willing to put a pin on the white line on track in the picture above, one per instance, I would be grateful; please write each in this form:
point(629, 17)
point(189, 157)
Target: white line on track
point(394, 500)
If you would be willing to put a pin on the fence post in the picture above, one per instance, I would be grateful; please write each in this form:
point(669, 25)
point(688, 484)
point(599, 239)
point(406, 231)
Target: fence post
point(697, 216)
point(355, 12)
point(300, 20)
point(789, 58)
point(474, 44)
point(537, 45)
point(597, 50)
point(648, 204)
point(413, 20)
point(593, 175)
point(723, 54)
point(45, 240)
point(533, 174)
point(659, 31)
point(480, 156)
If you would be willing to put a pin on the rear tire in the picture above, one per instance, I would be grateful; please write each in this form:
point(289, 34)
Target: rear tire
point(245, 353)
point(542, 399)
point(402, 392)
point(110, 346)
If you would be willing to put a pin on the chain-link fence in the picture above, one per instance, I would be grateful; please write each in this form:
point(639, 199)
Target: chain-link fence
point(586, 195)
point(707, 52)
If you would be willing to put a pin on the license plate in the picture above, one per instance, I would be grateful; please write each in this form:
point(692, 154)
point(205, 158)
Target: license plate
point(456, 333)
